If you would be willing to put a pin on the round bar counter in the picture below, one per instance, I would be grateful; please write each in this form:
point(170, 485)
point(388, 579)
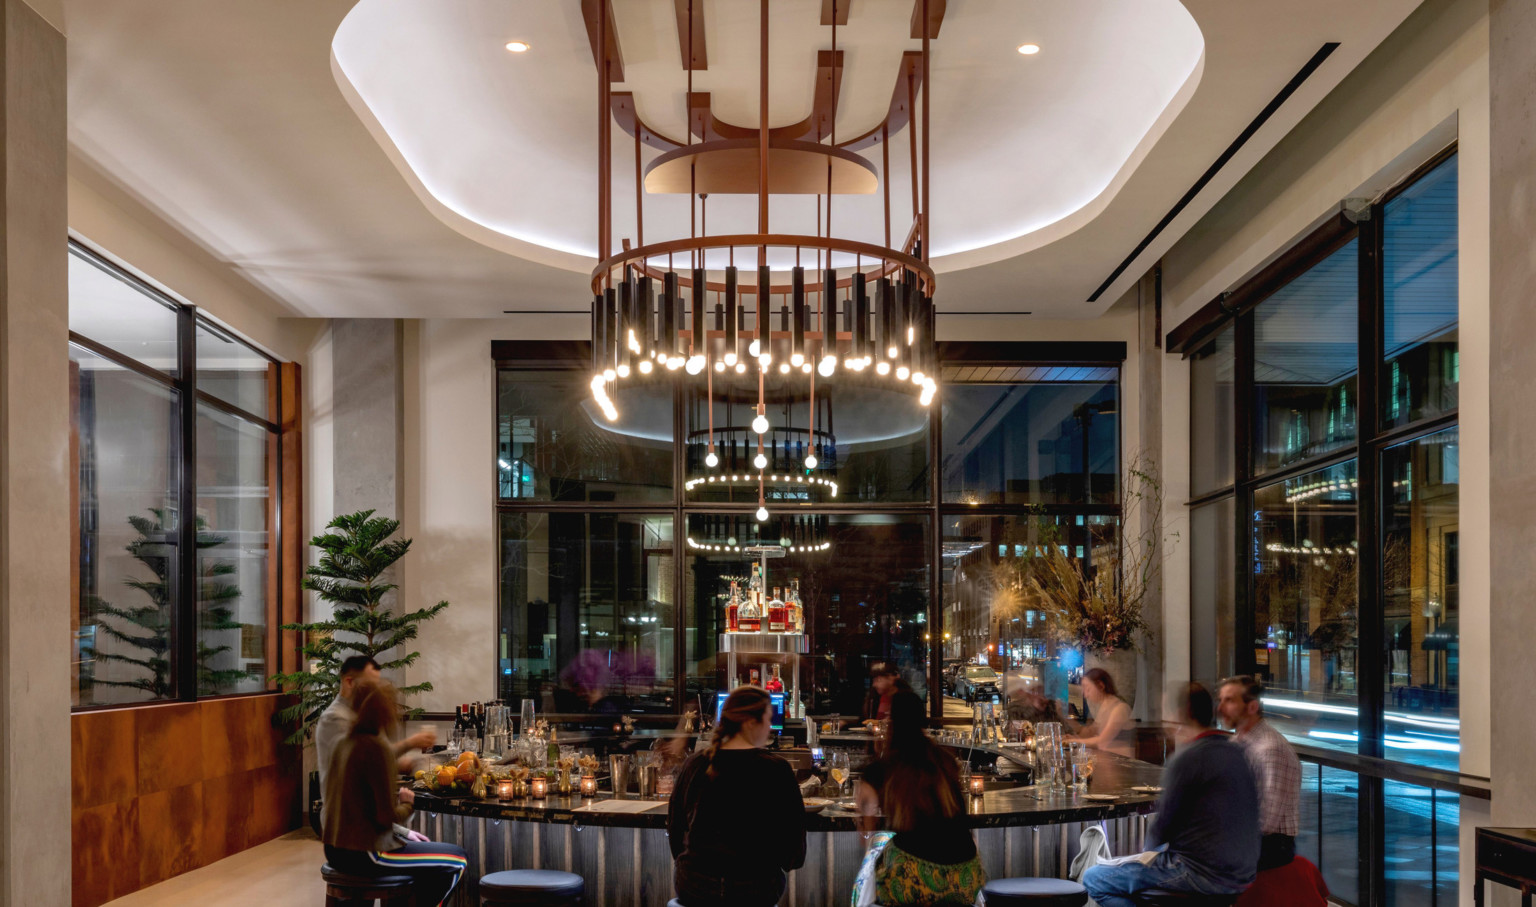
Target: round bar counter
point(626, 861)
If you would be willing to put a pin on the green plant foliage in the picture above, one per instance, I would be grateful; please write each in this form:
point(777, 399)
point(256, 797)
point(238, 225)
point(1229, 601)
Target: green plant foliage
point(148, 628)
point(355, 552)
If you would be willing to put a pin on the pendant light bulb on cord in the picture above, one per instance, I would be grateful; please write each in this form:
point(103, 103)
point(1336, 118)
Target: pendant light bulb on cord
point(760, 424)
point(695, 364)
point(762, 514)
point(810, 461)
point(711, 460)
point(760, 461)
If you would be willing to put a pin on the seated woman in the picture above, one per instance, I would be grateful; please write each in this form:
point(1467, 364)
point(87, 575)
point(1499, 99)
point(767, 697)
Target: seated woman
point(736, 822)
point(362, 805)
point(932, 858)
point(1110, 730)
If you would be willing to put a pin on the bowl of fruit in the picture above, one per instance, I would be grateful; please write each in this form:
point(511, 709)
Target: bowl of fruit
point(452, 779)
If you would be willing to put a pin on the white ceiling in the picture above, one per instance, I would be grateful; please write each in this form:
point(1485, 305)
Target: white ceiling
point(226, 119)
point(505, 144)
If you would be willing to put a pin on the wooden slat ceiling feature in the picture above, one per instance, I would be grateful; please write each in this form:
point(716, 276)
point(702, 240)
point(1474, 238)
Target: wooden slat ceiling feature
point(935, 17)
point(815, 127)
point(622, 104)
point(900, 111)
point(590, 11)
point(695, 39)
point(839, 8)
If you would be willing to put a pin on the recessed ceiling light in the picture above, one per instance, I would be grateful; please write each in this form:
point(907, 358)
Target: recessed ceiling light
point(519, 47)
point(1025, 49)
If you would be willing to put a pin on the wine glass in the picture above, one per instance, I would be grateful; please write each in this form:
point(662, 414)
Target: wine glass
point(838, 765)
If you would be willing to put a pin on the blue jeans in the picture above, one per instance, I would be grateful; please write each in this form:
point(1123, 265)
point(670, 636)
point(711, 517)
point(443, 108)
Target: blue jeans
point(1113, 886)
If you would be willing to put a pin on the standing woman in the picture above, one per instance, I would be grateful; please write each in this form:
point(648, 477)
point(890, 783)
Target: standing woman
point(736, 822)
point(932, 858)
point(362, 805)
point(1110, 730)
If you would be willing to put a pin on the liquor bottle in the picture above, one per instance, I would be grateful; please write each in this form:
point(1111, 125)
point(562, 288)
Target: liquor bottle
point(733, 609)
point(553, 753)
point(458, 719)
point(795, 609)
point(750, 618)
point(776, 617)
point(462, 725)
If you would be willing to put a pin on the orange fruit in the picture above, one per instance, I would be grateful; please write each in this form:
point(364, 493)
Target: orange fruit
point(466, 772)
point(445, 776)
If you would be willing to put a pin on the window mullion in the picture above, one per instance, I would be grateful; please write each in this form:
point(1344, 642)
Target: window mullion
point(186, 516)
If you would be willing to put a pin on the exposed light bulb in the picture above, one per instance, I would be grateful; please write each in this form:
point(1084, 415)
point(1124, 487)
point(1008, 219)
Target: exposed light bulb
point(730, 358)
point(890, 352)
point(645, 366)
point(711, 460)
point(754, 348)
point(762, 514)
point(917, 378)
point(760, 461)
point(760, 424)
point(675, 363)
point(806, 368)
point(608, 374)
point(696, 364)
point(623, 371)
point(828, 366)
point(883, 367)
point(797, 359)
point(719, 366)
point(810, 461)
point(783, 368)
point(902, 372)
point(741, 368)
point(909, 335)
point(764, 361)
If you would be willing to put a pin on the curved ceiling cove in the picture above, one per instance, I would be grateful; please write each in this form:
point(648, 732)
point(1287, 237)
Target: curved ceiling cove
point(1026, 149)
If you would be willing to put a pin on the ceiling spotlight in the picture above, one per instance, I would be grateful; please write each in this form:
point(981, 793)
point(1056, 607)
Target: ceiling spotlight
point(522, 47)
point(762, 514)
point(1029, 50)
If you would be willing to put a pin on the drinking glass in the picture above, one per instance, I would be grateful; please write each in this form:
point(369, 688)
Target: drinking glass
point(1082, 766)
point(838, 765)
point(528, 717)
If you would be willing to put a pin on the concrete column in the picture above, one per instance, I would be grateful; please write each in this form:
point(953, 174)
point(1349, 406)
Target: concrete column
point(369, 413)
point(1512, 387)
point(34, 465)
point(1148, 453)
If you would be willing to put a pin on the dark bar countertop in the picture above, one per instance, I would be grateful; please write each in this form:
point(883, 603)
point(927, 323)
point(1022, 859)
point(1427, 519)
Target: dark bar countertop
point(1015, 806)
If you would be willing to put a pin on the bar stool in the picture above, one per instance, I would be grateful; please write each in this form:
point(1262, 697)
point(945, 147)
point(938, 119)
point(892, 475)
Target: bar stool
point(538, 887)
point(1026, 892)
point(346, 890)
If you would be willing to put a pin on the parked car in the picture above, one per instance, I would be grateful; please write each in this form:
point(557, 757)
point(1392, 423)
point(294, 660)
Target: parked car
point(951, 675)
point(978, 683)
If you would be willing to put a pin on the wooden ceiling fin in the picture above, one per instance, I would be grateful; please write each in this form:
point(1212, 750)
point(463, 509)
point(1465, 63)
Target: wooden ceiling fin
point(829, 84)
point(935, 18)
point(899, 114)
point(591, 10)
point(700, 60)
point(827, 8)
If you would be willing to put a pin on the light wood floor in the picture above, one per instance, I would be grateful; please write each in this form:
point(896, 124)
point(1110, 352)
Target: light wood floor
point(284, 872)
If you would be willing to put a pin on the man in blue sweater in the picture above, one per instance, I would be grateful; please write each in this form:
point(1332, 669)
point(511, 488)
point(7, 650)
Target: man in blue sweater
point(1206, 833)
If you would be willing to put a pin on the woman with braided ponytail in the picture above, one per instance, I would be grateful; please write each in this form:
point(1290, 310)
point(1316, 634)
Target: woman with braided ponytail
point(736, 823)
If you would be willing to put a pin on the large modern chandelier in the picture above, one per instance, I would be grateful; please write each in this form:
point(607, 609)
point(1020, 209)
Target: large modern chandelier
point(843, 312)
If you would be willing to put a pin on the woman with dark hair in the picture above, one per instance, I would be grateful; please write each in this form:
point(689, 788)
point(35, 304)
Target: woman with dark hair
point(362, 805)
point(736, 822)
point(1110, 730)
point(931, 859)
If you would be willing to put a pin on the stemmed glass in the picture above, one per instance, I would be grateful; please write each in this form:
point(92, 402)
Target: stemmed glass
point(837, 763)
point(1082, 766)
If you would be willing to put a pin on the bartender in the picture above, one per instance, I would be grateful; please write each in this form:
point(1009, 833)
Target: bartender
point(884, 683)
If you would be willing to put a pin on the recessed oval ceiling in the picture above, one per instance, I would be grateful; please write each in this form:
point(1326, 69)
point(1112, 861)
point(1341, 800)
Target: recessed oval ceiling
point(1026, 149)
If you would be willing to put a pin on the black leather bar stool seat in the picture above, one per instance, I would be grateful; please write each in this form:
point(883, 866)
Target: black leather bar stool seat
point(1180, 899)
point(540, 887)
point(1025, 892)
point(344, 889)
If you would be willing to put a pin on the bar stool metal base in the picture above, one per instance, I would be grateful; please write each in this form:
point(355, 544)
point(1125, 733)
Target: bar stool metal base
point(346, 890)
point(535, 887)
point(1025, 892)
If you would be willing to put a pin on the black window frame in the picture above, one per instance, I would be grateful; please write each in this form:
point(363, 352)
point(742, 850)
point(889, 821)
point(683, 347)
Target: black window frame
point(184, 382)
point(1236, 309)
point(513, 356)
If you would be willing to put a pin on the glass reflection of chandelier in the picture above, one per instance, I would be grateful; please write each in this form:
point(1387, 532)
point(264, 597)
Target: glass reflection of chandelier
point(863, 313)
point(775, 537)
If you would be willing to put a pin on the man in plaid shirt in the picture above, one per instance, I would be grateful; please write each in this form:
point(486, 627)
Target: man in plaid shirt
point(1276, 769)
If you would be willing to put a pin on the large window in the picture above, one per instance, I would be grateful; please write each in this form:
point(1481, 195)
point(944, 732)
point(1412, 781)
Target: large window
point(616, 565)
point(1339, 382)
point(177, 466)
